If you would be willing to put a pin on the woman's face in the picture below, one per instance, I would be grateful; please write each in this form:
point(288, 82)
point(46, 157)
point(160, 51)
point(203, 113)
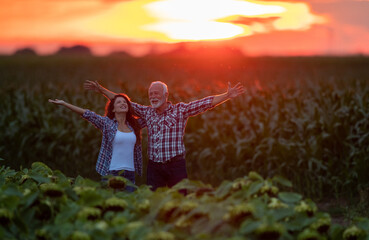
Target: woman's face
point(120, 105)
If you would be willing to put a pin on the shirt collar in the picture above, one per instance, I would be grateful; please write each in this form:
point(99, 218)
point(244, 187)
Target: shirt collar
point(116, 122)
point(169, 106)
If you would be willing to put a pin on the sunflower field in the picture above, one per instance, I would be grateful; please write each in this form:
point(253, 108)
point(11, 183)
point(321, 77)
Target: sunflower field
point(41, 203)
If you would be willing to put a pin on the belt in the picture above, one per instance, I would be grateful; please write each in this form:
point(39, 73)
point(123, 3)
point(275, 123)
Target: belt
point(171, 160)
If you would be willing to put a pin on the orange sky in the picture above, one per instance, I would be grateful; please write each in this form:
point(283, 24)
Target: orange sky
point(140, 26)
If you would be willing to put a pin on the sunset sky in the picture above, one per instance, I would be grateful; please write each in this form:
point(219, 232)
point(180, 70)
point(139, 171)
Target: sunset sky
point(312, 27)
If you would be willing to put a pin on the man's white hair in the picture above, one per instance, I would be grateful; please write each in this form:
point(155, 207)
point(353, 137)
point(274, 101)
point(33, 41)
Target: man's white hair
point(165, 87)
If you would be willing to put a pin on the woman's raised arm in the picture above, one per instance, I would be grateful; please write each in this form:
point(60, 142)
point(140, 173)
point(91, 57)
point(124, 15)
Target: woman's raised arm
point(75, 109)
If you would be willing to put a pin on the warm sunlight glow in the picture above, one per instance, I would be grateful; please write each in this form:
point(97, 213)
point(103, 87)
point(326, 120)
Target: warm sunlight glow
point(297, 18)
point(197, 20)
point(141, 24)
point(194, 20)
point(201, 30)
point(206, 10)
point(255, 27)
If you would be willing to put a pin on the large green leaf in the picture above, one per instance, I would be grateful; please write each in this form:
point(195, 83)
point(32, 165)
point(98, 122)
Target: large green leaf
point(289, 197)
point(283, 181)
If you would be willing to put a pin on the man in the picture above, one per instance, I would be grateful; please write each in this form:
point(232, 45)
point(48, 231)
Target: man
point(166, 124)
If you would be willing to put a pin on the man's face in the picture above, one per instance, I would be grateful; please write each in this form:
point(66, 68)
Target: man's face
point(156, 95)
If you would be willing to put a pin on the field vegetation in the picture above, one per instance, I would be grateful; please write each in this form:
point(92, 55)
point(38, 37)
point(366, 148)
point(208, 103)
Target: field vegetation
point(41, 203)
point(303, 118)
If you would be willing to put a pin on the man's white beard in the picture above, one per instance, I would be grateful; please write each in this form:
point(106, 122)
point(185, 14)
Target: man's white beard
point(158, 104)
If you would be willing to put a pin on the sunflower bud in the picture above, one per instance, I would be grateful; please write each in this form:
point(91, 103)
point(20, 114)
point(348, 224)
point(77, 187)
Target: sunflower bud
point(41, 234)
point(144, 206)
point(352, 233)
point(322, 225)
point(24, 178)
point(239, 184)
point(269, 189)
point(275, 190)
point(117, 182)
point(309, 209)
point(237, 213)
point(115, 204)
point(168, 209)
point(5, 216)
point(51, 190)
point(89, 213)
point(270, 231)
point(309, 234)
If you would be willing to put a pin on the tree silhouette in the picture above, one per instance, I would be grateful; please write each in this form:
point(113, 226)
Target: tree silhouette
point(25, 52)
point(74, 50)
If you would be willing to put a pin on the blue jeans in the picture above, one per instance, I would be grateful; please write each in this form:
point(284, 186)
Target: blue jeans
point(166, 174)
point(130, 175)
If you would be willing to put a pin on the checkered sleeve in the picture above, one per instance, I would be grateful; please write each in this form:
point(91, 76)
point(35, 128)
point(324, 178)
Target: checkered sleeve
point(97, 120)
point(141, 122)
point(138, 159)
point(196, 107)
point(138, 109)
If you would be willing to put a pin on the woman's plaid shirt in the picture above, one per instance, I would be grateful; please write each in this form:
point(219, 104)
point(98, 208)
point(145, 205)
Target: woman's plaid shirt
point(166, 130)
point(109, 128)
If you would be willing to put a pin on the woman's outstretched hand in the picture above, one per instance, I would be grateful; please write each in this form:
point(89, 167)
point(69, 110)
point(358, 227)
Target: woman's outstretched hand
point(92, 86)
point(235, 91)
point(57, 101)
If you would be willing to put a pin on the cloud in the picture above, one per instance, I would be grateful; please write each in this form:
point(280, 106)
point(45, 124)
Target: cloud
point(345, 12)
point(353, 12)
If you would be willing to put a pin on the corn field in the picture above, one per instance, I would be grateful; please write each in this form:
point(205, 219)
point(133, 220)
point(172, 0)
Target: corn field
point(303, 118)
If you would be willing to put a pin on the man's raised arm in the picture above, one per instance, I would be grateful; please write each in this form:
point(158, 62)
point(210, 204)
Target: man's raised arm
point(231, 93)
point(95, 86)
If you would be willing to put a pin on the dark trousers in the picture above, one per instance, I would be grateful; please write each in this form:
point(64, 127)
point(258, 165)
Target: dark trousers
point(166, 174)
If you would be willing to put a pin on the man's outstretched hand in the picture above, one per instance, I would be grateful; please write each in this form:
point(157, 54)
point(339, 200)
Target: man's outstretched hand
point(92, 86)
point(235, 91)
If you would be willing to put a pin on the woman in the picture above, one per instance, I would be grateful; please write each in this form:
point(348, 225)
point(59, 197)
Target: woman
point(121, 140)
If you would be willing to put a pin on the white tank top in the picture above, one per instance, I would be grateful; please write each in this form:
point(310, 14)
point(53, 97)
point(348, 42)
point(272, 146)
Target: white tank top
point(123, 149)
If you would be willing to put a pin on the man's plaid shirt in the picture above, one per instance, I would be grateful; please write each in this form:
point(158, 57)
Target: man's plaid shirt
point(109, 128)
point(166, 130)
